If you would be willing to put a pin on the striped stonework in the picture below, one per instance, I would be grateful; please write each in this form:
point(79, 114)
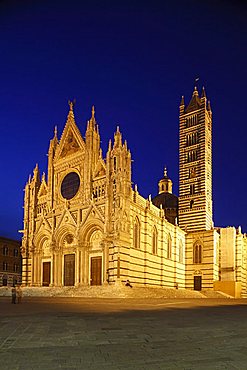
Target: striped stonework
point(195, 164)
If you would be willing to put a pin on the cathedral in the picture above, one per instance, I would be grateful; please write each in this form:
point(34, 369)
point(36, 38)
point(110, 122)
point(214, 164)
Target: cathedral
point(85, 225)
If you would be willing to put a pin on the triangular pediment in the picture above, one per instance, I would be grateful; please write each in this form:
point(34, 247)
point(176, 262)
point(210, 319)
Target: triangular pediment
point(92, 213)
point(43, 224)
point(43, 188)
point(71, 140)
point(100, 169)
point(66, 219)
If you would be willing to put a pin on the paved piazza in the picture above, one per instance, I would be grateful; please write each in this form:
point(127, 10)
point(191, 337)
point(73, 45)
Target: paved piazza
point(87, 333)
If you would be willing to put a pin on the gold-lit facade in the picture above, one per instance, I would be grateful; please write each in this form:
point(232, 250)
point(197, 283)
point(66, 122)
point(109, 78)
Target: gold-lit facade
point(85, 225)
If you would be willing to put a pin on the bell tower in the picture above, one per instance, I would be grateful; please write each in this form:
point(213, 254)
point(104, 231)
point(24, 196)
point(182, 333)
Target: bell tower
point(195, 164)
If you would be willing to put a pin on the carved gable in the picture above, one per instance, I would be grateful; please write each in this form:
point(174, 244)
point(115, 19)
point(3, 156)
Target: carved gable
point(43, 189)
point(70, 146)
point(71, 141)
point(93, 212)
point(43, 224)
point(66, 219)
point(100, 169)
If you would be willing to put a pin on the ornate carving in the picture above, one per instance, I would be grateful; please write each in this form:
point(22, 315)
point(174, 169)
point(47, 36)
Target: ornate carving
point(70, 146)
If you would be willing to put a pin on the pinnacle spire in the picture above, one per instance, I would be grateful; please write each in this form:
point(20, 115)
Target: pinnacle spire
point(36, 172)
point(182, 100)
point(195, 92)
point(209, 106)
point(195, 102)
point(91, 124)
point(117, 138)
point(203, 93)
point(93, 112)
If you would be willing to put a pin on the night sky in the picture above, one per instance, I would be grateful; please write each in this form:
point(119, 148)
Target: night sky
point(133, 60)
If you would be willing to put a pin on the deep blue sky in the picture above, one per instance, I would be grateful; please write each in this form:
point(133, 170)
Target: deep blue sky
point(133, 60)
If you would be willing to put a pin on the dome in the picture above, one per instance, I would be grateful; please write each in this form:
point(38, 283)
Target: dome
point(167, 200)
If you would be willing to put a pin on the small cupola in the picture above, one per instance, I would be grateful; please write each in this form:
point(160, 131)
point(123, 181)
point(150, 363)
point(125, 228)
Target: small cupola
point(165, 184)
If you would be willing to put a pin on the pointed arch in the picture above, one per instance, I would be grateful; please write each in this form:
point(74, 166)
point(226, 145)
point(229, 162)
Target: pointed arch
point(155, 240)
point(136, 233)
point(197, 252)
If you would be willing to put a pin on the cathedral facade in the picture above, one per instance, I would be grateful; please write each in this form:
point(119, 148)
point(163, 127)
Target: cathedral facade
point(85, 225)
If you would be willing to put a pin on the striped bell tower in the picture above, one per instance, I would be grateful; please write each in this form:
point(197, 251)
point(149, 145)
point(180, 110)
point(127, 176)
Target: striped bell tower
point(195, 164)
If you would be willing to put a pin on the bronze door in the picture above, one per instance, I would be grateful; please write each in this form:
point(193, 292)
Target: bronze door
point(46, 273)
point(197, 283)
point(96, 270)
point(69, 269)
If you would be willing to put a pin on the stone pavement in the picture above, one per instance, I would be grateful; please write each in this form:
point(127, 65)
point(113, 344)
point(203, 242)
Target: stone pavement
point(93, 333)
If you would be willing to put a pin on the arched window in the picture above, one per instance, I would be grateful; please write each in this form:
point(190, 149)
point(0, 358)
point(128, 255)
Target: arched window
point(136, 233)
point(197, 253)
point(169, 247)
point(181, 252)
point(155, 241)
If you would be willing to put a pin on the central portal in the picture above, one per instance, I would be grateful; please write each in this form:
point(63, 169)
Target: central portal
point(96, 270)
point(69, 269)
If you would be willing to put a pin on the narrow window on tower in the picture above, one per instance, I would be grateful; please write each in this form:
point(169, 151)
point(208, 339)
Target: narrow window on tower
point(197, 138)
point(191, 204)
point(192, 189)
